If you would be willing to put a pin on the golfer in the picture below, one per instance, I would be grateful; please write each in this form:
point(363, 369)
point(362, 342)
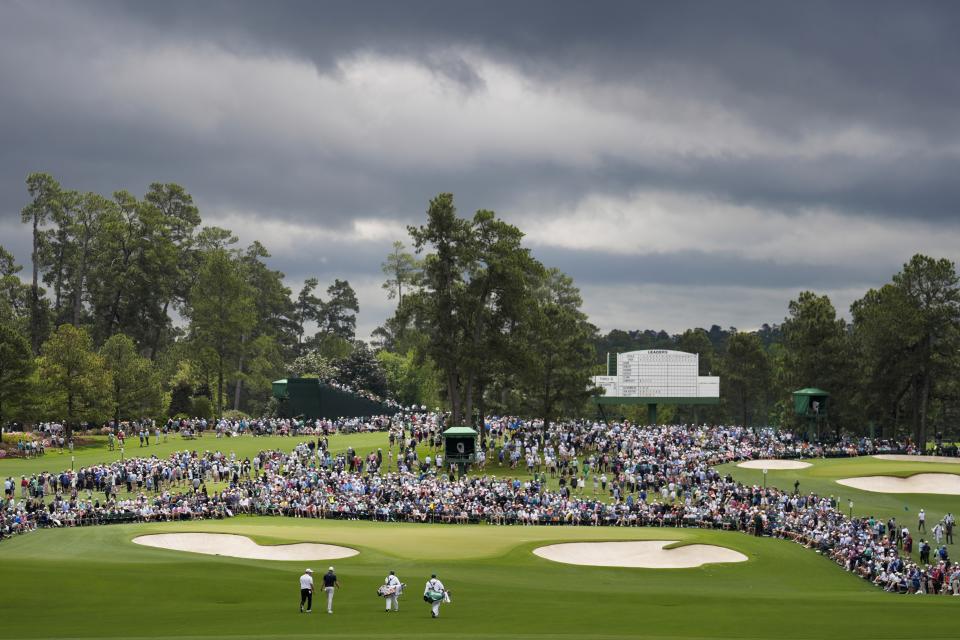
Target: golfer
point(394, 588)
point(306, 590)
point(329, 585)
point(434, 593)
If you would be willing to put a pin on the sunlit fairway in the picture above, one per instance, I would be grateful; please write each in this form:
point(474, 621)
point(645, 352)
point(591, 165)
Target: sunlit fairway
point(822, 478)
point(94, 582)
point(243, 446)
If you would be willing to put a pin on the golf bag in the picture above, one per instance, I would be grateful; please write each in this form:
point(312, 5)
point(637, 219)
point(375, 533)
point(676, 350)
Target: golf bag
point(385, 591)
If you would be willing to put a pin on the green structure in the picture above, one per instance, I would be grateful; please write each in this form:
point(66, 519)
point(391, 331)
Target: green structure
point(460, 446)
point(812, 404)
point(310, 398)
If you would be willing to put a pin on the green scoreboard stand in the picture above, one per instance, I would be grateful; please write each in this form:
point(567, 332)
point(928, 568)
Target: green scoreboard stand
point(813, 405)
point(460, 446)
point(310, 398)
point(811, 402)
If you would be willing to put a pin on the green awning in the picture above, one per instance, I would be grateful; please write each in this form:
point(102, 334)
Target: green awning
point(280, 389)
point(811, 391)
point(459, 431)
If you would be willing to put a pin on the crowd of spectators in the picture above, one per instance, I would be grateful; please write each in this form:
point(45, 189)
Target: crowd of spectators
point(579, 473)
point(364, 393)
point(298, 426)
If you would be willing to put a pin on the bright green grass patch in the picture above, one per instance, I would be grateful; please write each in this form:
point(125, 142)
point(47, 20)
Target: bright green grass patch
point(245, 446)
point(94, 582)
point(822, 476)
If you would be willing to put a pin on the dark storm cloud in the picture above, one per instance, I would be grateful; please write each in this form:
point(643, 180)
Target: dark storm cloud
point(791, 68)
point(882, 59)
point(333, 258)
point(873, 84)
point(923, 186)
point(679, 268)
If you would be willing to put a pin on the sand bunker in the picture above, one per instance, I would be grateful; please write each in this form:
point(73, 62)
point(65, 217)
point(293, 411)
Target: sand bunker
point(906, 458)
point(647, 554)
point(223, 544)
point(940, 483)
point(774, 464)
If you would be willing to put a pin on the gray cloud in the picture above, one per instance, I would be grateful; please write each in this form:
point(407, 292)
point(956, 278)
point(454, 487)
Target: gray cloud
point(686, 268)
point(887, 60)
point(321, 114)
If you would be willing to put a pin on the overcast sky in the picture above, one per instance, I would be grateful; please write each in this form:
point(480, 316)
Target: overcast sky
point(686, 163)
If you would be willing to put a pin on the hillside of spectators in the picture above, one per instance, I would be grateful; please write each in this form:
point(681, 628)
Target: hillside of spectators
point(621, 475)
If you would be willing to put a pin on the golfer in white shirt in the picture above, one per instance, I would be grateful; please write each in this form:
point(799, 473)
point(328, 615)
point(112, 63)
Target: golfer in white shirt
point(435, 585)
point(306, 590)
point(393, 582)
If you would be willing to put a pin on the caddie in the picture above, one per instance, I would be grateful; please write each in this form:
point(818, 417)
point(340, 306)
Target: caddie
point(392, 588)
point(434, 593)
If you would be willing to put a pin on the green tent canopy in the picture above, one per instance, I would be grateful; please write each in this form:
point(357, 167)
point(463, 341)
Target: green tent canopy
point(810, 402)
point(459, 431)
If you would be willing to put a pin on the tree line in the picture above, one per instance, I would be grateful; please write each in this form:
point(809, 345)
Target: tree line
point(891, 369)
point(481, 324)
point(134, 308)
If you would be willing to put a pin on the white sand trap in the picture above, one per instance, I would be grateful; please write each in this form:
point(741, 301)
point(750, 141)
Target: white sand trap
point(774, 464)
point(946, 484)
point(224, 544)
point(905, 458)
point(647, 554)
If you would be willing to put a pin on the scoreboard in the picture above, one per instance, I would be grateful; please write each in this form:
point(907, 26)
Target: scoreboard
point(657, 373)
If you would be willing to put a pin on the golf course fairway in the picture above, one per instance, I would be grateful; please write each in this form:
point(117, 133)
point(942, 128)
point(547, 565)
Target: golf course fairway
point(95, 582)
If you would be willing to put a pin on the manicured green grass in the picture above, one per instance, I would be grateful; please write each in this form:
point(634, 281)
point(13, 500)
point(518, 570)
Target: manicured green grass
point(94, 582)
point(244, 446)
point(822, 476)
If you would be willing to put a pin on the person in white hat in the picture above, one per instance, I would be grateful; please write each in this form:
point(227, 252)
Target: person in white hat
point(393, 589)
point(306, 590)
point(330, 583)
point(434, 593)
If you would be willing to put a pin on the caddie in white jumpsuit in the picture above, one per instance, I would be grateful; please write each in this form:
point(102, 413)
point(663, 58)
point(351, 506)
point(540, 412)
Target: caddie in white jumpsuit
point(391, 600)
point(435, 585)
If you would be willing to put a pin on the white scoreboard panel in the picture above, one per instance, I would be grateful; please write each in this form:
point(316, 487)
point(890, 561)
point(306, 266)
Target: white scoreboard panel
point(608, 384)
point(659, 373)
point(708, 387)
